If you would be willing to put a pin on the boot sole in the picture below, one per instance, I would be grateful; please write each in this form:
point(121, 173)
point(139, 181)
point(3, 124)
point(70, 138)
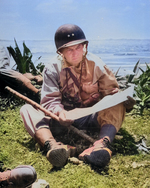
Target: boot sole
point(98, 158)
point(57, 157)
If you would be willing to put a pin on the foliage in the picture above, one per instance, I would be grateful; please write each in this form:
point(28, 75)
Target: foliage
point(142, 88)
point(40, 67)
point(7, 100)
point(17, 147)
point(23, 61)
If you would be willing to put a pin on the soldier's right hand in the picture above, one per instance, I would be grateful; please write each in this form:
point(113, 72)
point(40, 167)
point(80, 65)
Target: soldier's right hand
point(63, 120)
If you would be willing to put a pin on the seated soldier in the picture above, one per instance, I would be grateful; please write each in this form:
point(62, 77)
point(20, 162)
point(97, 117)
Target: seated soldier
point(75, 79)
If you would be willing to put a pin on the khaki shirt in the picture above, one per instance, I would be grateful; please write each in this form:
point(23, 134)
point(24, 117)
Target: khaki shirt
point(68, 87)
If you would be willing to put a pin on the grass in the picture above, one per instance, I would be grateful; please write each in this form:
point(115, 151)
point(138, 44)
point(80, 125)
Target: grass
point(127, 169)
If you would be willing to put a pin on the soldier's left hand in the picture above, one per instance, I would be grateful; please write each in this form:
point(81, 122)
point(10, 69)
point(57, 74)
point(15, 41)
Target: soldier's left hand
point(129, 103)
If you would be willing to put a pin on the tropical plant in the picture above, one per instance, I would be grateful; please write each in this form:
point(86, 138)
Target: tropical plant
point(23, 61)
point(40, 67)
point(142, 88)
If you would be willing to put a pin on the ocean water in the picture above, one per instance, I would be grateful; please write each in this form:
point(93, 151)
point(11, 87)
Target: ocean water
point(120, 54)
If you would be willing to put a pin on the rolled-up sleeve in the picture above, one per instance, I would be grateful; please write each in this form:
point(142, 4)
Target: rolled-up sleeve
point(50, 94)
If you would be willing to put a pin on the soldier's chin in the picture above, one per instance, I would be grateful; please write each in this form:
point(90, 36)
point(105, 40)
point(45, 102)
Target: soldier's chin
point(76, 61)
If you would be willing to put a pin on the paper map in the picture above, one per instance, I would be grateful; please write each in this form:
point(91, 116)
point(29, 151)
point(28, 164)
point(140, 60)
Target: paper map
point(106, 102)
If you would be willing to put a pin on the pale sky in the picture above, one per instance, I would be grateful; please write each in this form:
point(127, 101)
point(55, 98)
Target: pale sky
point(99, 19)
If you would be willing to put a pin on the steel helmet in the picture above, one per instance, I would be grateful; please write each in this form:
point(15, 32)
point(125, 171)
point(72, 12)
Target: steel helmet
point(69, 35)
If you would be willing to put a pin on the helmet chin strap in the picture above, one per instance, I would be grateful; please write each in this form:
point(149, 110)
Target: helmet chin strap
point(63, 57)
point(84, 55)
point(84, 49)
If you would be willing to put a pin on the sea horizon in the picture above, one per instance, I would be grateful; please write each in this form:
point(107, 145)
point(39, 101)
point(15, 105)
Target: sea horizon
point(120, 54)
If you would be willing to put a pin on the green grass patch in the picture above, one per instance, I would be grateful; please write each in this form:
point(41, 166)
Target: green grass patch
point(127, 169)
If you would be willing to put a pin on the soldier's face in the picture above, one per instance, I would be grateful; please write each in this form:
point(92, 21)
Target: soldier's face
point(73, 54)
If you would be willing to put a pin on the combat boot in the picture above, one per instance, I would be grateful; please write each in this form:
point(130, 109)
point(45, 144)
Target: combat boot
point(57, 153)
point(99, 154)
point(20, 177)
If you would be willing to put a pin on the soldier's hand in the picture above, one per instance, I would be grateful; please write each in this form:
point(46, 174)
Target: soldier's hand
point(129, 103)
point(63, 120)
